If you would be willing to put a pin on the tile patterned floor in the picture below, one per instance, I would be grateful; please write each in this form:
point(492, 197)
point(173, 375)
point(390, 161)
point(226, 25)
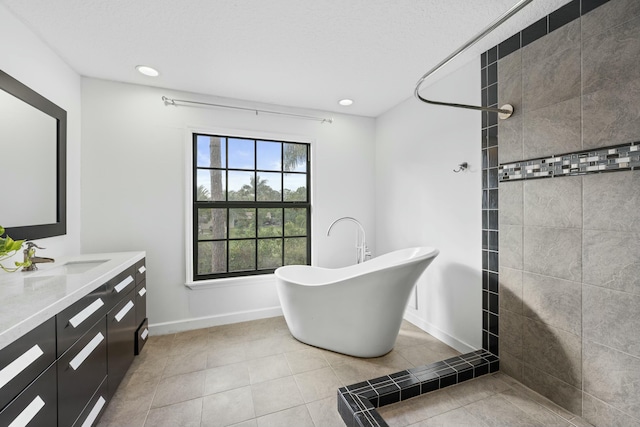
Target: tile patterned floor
point(254, 374)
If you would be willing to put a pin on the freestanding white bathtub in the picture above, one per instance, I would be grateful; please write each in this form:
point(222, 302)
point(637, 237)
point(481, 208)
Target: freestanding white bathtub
point(355, 310)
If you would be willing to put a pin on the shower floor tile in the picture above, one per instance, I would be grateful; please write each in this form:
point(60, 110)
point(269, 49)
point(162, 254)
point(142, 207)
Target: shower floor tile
point(186, 378)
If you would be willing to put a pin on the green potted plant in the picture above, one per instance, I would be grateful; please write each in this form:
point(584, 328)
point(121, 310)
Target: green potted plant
point(8, 248)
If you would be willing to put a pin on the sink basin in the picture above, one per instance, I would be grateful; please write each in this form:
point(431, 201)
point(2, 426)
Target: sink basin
point(72, 267)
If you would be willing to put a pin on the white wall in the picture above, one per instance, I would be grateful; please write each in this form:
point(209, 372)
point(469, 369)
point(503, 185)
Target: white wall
point(29, 60)
point(133, 192)
point(421, 201)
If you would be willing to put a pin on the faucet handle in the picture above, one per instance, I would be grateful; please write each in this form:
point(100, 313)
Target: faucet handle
point(33, 245)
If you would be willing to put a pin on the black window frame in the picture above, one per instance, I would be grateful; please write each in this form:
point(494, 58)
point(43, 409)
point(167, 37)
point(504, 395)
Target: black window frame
point(255, 204)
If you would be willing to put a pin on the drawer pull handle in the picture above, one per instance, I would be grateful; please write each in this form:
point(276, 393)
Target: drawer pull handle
point(120, 286)
point(76, 320)
point(144, 334)
point(28, 413)
point(14, 368)
point(86, 351)
point(124, 311)
point(142, 291)
point(94, 412)
point(142, 269)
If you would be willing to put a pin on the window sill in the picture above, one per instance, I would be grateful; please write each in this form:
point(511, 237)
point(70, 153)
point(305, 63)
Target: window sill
point(231, 281)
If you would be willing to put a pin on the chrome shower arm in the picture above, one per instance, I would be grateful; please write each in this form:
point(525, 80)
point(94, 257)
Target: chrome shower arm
point(505, 111)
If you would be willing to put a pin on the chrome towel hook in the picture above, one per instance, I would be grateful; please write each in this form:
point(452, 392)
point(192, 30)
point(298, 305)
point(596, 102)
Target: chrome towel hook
point(461, 167)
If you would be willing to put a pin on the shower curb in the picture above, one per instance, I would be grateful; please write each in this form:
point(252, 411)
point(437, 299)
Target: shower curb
point(357, 403)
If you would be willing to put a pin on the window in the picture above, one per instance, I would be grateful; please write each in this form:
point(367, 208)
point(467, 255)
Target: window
point(251, 205)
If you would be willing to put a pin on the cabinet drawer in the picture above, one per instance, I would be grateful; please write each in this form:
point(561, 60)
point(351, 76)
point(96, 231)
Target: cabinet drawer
point(74, 321)
point(24, 359)
point(141, 270)
point(141, 302)
point(36, 405)
point(142, 335)
point(121, 328)
point(120, 286)
point(94, 408)
point(80, 371)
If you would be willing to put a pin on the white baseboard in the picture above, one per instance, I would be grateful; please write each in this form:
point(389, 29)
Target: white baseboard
point(209, 321)
point(462, 347)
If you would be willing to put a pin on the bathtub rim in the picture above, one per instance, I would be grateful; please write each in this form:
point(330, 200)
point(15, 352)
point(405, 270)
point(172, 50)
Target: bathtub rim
point(352, 271)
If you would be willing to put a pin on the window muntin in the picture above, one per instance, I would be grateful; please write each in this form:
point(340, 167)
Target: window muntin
point(251, 205)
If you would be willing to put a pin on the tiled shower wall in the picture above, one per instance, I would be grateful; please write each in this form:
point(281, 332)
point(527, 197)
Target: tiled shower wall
point(569, 275)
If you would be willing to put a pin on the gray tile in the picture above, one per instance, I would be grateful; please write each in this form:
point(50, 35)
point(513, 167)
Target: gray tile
point(611, 57)
point(249, 423)
point(536, 411)
point(418, 355)
point(510, 80)
point(555, 252)
point(552, 350)
point(555, 43)
point(511, 365)
point(611, 259)
point(510, 288)
point(459, 417)
point(550, 80)
point(611, 318)
point(228, 407)
point(179, 388)
point(298, 416)
point(510, 333)
point(553, 129)
point(419, 408)
point(226, 377)
point(608, 15)
point(610, 116)
point(553, 301)
point(558, 391)
point(553, 202)
point(306, 360)
point(477, 389)
point(498, 412)
point(268, 368)
point(184, 364)
point(185, 414)
point(511, 202)
point(611, 201)
point(599, 413)
point(612, 376)
point(275, 395)
point(511, 139)
point(226, 354)
point(511, 246)
point(318, 384)
point(541, 400)
point(324, 413)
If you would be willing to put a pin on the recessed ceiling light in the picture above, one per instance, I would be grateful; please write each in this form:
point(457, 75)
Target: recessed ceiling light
point(345, 102)
point(147, 71)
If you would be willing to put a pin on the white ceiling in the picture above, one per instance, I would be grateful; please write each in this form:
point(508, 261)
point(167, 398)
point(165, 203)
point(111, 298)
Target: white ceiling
point(299, 53)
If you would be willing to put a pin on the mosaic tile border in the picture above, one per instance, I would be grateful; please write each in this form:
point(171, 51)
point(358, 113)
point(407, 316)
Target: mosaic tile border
point(607, 159)
point(357, 403)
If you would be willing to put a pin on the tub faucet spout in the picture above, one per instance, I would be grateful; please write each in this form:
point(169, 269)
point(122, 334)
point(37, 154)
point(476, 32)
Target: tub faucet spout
point(362, 252)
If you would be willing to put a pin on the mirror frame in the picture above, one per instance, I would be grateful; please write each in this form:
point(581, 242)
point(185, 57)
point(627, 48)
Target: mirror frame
point(58, 228)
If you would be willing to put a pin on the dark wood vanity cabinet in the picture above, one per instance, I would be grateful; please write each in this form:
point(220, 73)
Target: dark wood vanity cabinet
point(65, 371)
point(80, 371)
point(121, 328)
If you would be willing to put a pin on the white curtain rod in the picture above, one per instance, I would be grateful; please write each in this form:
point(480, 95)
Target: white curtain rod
point(171, 101)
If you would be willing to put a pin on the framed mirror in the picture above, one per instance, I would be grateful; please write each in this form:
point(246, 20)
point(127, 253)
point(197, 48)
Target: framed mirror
point(33, 169)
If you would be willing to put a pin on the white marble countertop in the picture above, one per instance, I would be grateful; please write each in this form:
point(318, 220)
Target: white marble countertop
point(28, 299)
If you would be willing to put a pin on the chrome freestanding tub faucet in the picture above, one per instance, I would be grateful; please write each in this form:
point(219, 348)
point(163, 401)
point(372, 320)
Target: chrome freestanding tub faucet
point(362, 252)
